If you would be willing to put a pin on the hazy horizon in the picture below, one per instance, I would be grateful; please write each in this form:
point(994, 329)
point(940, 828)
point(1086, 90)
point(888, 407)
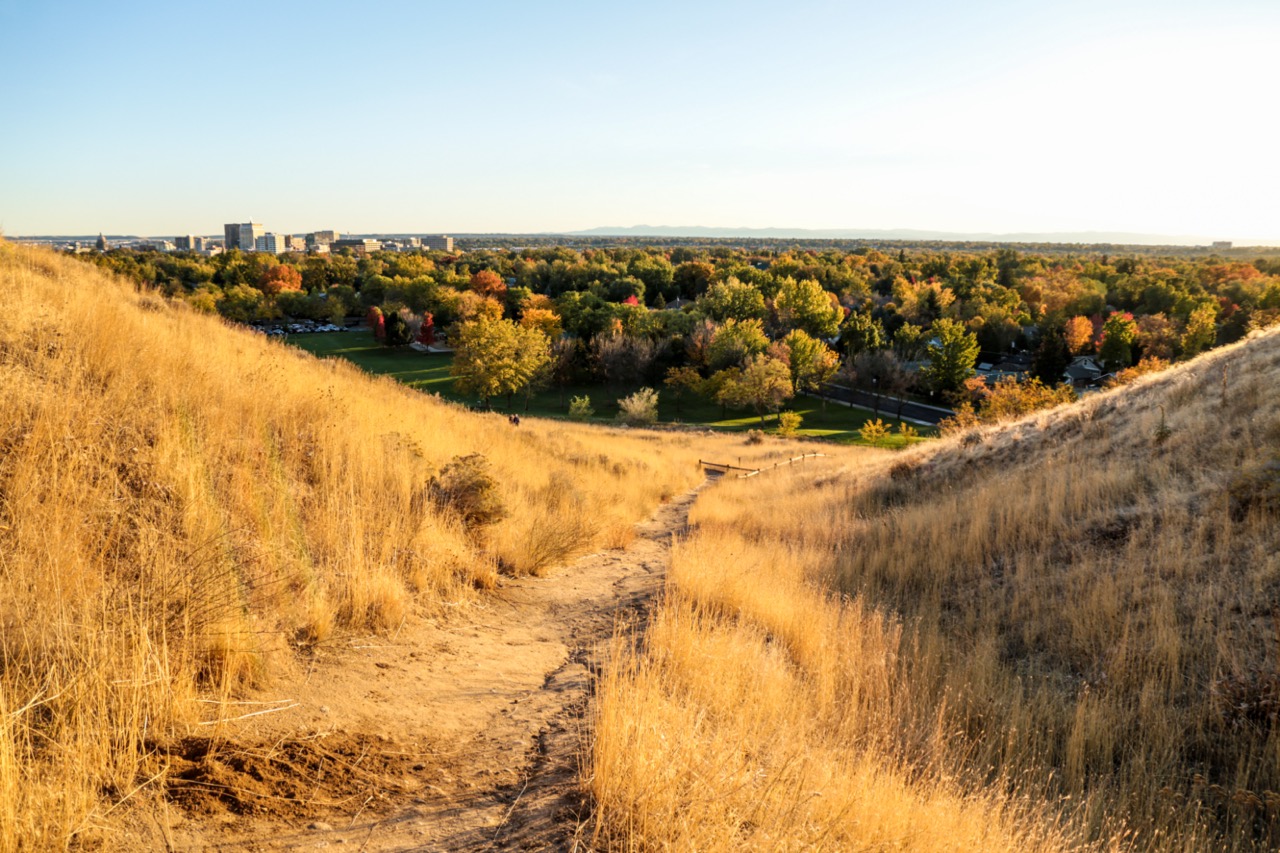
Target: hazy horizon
point(658, 232)
point(1134, 116)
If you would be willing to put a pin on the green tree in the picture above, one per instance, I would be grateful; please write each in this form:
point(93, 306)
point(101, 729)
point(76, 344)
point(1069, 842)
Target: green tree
point(496, 356)
point(862, 333)
point(952, 353)
point(1118, 335)
point(734, 342)
point(681, 381)
point(805, 305)
point(732, 300)
point(764, 385)
point(1052, 357)
point(812, 363)
point(397, 332)
point(908, 341)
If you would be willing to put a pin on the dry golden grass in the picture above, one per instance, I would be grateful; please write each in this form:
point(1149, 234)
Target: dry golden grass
point(1056, 634)
point(183, 505)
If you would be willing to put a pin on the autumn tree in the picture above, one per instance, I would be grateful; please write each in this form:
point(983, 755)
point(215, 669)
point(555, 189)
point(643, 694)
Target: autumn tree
point(543, 319)
point(427, 331)
point(488, 283)
point(279, 278)
point(1201, 331)
point(951, 352)
point(377, 323)
point(764, 384)
point(1157, 337)
point(473, 306)
point(1078, 333)
point(495, 356)
point(1009, 398)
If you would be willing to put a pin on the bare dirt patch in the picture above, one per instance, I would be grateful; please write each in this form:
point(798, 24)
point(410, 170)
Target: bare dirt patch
point(458, 734)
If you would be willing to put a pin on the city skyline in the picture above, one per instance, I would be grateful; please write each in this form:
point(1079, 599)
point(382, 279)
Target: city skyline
point(1132, 116)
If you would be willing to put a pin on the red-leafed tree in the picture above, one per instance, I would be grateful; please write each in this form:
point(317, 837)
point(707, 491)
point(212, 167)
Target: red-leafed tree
point(377, 322)
point(427, 331)
point(279, 278)
point(631, 300)
point(488, 283)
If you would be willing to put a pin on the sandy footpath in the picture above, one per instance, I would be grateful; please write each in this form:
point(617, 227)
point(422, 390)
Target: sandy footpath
point(461, 735)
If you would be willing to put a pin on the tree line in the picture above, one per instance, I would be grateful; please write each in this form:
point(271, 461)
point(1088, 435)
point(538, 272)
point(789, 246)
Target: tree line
point(744, 328)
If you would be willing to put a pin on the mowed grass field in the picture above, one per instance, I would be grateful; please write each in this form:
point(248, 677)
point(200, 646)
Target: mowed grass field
point(430, 373)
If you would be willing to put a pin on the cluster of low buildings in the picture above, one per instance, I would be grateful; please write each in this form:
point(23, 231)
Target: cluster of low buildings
point(254, 237)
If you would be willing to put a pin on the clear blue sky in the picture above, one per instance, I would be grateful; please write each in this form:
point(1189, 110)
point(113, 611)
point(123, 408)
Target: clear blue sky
point(158, 118)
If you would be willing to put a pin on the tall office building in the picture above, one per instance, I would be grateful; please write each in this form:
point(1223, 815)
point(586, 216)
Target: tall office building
point(438, 243)
point(242, 236)
point(189, 242)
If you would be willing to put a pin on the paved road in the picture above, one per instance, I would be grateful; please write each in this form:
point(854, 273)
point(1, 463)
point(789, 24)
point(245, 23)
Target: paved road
point(918, 412)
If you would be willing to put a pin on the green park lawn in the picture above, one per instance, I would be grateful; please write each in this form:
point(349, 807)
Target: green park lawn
point(430, 373)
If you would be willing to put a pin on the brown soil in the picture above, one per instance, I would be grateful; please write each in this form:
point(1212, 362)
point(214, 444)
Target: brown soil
point(461, 734)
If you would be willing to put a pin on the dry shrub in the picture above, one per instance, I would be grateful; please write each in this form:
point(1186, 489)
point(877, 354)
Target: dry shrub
point(565, 528)
point(1256, 488)
point(466, 488)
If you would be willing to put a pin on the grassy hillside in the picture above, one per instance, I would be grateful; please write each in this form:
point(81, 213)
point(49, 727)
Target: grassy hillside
point(1056, 634)
point(184, 505)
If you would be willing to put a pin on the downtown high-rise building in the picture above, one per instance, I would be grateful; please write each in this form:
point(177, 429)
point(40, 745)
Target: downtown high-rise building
point(242, 236)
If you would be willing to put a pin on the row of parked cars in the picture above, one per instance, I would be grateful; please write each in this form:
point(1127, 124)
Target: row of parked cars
point(299, 328)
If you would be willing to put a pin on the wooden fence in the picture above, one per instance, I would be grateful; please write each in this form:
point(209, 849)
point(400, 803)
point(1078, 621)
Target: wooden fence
point(722, 468)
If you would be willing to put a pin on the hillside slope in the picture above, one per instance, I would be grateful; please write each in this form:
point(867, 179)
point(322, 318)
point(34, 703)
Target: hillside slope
point(184, 506)
point(1054, 634)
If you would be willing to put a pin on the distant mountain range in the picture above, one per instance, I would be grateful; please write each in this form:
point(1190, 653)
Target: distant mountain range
point(1119, 238)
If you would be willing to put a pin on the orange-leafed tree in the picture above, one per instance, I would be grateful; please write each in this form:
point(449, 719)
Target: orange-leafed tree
point(279, 278)
point(1079, 335)
point(545, 320)
point(488, 283)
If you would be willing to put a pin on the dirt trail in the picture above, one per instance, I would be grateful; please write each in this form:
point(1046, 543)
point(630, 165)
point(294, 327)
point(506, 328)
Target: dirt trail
point(462, 736)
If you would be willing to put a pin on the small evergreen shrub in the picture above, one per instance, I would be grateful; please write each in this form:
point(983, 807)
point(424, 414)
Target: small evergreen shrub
point(580, 408)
